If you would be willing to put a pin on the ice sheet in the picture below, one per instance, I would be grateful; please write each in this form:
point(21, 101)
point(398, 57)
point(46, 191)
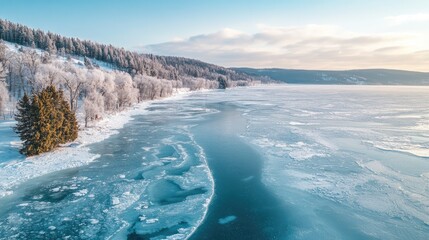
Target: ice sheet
point(365, 160)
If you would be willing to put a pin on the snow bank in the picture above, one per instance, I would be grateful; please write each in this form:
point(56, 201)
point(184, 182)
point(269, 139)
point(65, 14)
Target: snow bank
point(76, 154)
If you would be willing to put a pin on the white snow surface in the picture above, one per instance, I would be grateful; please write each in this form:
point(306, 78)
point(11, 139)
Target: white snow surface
point(14, 169)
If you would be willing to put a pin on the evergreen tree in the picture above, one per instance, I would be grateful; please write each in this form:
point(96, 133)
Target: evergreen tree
point(34, 142)
point(69, 128)
point(223, 82)
point(45, 122)
point(25, 121)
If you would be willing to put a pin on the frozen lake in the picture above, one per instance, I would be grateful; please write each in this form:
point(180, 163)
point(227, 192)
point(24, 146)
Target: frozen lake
point(268, 162)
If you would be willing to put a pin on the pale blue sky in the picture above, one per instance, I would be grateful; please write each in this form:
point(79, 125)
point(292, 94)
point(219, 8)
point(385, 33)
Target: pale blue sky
point(328, 34)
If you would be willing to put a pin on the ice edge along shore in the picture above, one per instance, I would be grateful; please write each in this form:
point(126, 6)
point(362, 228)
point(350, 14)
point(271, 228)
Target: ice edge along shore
point(74, 154)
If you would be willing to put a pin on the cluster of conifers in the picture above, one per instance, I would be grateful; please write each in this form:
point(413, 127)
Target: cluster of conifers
point(44, 121)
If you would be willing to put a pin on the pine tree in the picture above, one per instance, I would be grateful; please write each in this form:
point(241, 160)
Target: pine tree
point(45, 122)
point(223, 82)
point(34, 142)
point(24, 121)
point(67, 130)
point(48, 120)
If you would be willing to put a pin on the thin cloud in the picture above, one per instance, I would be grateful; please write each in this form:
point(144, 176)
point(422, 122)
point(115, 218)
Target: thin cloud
point(408, 18)
point(307, 47)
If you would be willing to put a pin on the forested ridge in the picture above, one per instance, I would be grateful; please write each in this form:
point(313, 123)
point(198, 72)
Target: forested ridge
point(95, 78)
point(171, 68)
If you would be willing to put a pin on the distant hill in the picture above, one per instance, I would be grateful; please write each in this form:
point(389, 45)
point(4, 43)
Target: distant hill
point(350, 77)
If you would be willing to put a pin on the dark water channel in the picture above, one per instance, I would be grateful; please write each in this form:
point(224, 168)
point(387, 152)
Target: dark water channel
point(242, 207)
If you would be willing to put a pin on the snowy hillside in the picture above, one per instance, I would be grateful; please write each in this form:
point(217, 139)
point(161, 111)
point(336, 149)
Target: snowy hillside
point(77, 60)
point(165, 67)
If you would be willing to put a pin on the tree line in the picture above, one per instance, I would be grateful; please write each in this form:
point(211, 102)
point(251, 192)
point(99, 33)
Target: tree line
point(170, 68)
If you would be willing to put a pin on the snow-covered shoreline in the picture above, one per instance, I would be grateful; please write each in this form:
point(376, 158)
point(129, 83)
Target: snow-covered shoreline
point(75, 154)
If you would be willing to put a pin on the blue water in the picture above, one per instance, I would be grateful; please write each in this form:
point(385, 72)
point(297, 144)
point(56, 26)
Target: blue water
point(242, 207)
point(288, 162)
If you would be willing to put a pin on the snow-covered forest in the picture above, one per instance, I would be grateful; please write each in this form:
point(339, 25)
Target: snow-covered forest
point(164, 67)
point(96, 79)
point(26, 70)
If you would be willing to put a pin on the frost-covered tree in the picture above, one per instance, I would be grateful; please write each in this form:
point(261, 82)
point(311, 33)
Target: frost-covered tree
point(19, 74)
point(126, 93)
point(2, 52)
point(4, 97)
point(143, 87)
point(109, 93)
point(31, 61)
point(152, 88)
point(47, 75)
point(46, 58)
point(73, 79)
point(93, 106)
point(4, 94)
point(3, 73)
point(88, 63)
point(166, 89)
point(148, 87)
point(94, 99)
point(94, 80)
point(176, 84)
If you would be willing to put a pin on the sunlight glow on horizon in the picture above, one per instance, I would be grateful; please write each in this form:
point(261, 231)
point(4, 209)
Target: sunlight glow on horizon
point(303, 47)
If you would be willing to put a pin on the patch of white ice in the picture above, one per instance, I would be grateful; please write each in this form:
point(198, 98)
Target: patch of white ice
point(402, 144)
point(227, 219)
point(94, 221)
point(152, 220)
point(81, 193)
